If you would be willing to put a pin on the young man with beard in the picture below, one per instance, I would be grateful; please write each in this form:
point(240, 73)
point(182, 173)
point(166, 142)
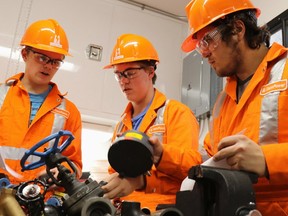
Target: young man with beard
point(249, 121)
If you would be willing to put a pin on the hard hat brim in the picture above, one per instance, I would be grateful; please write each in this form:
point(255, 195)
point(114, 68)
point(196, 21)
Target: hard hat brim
point(189, 44)
point(47, 48)
point(108, 66)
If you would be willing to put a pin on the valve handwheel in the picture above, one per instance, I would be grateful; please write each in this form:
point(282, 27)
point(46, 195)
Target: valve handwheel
point(43, 155)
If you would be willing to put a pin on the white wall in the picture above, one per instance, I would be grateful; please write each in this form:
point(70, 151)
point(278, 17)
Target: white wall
point(270, 9)
point(99, 22)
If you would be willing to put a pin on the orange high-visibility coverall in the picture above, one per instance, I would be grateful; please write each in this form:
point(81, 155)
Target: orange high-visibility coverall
point(180, 152)
point(16, 133)
point(263, 113)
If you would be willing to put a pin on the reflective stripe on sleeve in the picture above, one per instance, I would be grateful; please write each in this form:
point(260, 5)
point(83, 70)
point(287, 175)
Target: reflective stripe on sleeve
point(269, 109)
point(14, 153)
point(160, 120)
point(59, 121)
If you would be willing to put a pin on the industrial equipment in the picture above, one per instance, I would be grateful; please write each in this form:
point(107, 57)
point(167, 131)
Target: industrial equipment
point(78, 198)
point(217, 192)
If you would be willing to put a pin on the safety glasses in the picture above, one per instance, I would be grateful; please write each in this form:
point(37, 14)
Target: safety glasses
point(129, 73)
point(43, 59)
point(209, 41)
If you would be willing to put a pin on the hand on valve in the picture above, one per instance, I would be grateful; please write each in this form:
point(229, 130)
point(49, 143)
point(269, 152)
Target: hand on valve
point(117, 186)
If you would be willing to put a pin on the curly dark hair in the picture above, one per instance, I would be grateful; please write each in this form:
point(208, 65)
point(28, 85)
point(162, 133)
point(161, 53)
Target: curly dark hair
point(254, 34)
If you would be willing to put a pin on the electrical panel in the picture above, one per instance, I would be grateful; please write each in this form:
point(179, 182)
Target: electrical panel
point(279, 29)
point(200, 84)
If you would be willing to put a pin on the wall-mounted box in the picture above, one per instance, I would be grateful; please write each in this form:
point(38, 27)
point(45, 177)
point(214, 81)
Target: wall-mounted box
point(94, 52)
point(200, 84)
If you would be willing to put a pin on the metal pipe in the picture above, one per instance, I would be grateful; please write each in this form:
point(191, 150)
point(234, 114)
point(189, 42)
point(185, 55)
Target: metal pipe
point(153, 9)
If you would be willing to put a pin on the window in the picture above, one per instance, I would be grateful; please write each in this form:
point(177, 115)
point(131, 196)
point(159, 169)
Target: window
point(96, 141)
point(279, 29)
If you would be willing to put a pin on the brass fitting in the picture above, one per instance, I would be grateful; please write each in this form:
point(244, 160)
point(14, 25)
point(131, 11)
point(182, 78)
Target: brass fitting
point(8, 203)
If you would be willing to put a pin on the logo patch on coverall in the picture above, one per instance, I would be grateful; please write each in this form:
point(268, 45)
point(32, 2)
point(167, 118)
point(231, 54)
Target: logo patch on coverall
point(274, 87)
point(159, 128)
point(61, 112)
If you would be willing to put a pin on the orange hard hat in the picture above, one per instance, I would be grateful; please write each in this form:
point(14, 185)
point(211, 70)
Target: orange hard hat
point(46, 35)
point(201, 13)
point(130, 48)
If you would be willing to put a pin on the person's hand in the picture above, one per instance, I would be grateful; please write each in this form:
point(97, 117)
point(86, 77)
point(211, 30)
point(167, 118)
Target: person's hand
point(119, 134)
point(118, 187)
point(43, 174)
point(242, 153)
point(157, 149)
